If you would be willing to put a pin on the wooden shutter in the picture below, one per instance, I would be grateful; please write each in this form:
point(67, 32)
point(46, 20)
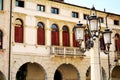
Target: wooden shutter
point(41, 36)
point(102, 43)
point(18, 34)
point(66, 41)
point(75, 43)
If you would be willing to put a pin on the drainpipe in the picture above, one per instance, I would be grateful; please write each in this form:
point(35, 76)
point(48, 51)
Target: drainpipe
point(9, 60)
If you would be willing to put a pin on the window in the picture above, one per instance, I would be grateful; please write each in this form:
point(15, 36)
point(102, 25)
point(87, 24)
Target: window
point(1, 4)
point(1, 39)
point(117, 42)
point(54, 10)
point(75, 43)
point(85, 16)
point(18, 31)
point(116, 22)
point(55, 35)
point(101, 19)
point(102, 43)
point(65, 36)
point(75, 14)
point(40, 34)
point(41, 8)
point(19, 3)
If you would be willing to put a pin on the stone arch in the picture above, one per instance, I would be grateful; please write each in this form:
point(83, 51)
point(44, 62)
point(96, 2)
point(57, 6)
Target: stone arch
point(115, 74)
point(28, 70)
point(66, 71)
point(2, 77)
point(88, 74)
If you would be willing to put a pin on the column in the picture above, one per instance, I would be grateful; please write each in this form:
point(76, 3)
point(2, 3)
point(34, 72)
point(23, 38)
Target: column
point(48, 33)
point(95, 61)
point(60, 35)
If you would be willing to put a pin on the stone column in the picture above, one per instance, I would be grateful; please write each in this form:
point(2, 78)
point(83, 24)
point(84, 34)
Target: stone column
point(48, 33)
point(95, 61)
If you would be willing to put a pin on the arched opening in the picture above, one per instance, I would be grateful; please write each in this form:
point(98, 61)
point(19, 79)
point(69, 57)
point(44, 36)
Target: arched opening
point(57, 75)
point(88, 74)
point(2, 77)
point(66, 72)
point(30, 71)
point(40, 34)
point(55, 35)
point(65, 36)
point(18, 31)
point(115, 73)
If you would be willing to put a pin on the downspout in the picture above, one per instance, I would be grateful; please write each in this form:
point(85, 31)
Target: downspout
point(9, 61)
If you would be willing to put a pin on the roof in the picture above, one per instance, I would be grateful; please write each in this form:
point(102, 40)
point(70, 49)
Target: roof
point(86, 8)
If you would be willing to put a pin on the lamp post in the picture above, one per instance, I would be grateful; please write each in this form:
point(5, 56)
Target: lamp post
point(107, 39)
point(93, 28)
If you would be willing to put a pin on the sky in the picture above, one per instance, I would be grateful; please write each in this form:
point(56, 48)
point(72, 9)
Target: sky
point(112, 6)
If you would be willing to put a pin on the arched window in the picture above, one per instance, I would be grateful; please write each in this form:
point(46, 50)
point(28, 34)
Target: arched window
point(65, 36)
point(117, 42)
point(75, 43)
point(18, 31)
point(40, 34)
point(1, 39)
point(55, 35)
point(102, 43)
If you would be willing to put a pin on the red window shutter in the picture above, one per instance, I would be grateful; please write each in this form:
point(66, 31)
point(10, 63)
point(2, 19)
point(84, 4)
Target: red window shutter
point(53, 38)
point(75, 43)
point(66, 41)
point(19, 34)
point(86, 38)
point(118, 44)
point(41, 36)
point(102, 44)
point(56, 38)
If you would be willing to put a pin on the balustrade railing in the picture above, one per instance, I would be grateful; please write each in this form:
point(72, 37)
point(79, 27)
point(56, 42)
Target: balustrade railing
point(70, 51)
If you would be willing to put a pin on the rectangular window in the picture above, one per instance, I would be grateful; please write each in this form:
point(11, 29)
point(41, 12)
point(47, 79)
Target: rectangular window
point(41, 8)
point(1, 4)
point(19, 3)
point(54, 10)
point(85, 16)
point(101, 19)
point(75, 14)
point(116, 22)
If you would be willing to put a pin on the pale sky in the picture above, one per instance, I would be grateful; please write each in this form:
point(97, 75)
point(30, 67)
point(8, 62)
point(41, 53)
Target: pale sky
point(112, 6)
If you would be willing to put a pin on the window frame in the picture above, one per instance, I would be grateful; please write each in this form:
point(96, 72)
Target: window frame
point(54, 10)
point(1, 5)
point(85, 15)
point(75, 14)
point(116, 22)
point(39, 6)
point(101, 19)
point(19, 2)
point(41, 33)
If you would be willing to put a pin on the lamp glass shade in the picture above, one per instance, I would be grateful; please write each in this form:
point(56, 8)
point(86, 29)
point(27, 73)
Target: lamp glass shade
point(79, 33)
point(94, 25)
point(107, 37)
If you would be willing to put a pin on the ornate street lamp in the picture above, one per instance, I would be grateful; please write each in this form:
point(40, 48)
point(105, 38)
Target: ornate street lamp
point(93, 28)
point(107, 39)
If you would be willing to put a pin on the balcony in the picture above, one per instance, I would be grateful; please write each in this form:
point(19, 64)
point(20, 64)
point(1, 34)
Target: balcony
point(66, 51)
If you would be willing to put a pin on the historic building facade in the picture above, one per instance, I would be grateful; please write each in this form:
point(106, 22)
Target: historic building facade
point(43, 45)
